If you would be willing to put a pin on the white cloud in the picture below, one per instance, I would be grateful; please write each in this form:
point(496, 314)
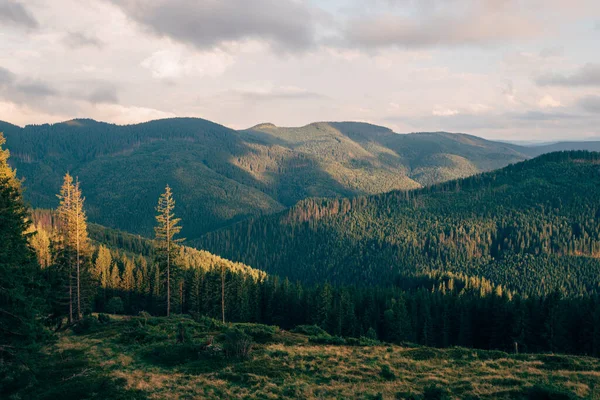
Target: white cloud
point(549, 102)
point(444, 112)
point(176, 63)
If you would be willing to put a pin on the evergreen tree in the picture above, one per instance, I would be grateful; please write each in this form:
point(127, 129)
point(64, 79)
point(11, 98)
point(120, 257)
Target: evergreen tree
point(74, 236)
point(102, 266)
point(20, 284)
point(166, 230)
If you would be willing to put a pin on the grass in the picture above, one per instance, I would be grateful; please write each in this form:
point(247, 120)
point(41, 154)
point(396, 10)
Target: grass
point(110, 362)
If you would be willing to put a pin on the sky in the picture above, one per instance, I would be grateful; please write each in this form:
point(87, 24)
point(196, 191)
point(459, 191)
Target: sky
point(500, 69)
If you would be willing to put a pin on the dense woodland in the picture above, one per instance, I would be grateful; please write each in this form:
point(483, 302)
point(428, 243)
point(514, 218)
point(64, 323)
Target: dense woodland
point(77, 269)
point(533, 227)
point(233, 174)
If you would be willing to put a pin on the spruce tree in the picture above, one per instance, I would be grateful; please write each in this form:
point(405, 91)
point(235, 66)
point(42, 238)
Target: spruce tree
point(20, 276)
point(166, 243)
point(75, 242)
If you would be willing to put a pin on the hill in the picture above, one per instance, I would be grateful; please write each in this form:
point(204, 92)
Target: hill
point(532, 226)
point(221, 176)
point(563, 146)
point(134, 358)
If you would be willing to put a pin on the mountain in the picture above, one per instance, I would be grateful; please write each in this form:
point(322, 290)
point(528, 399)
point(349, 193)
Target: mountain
point(221, 176)
point(563, 146)
point(532, 226)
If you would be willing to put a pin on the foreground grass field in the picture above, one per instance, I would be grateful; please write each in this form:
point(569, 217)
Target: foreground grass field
point(159, 358)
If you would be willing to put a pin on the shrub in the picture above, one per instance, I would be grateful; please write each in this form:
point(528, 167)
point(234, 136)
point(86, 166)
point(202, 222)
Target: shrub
point(371, 334)
point(207, 323)
point(103, 319)
point(386, 373)
point(544, 392)
point(327, 339)
point(309, 330)
point(86, 325)
point(182, 334)
point(362, 341)
point(170, 355)
point(142, 335)
point(259, 333)
point(115, 306)
point(237, 343)
point(434, 392)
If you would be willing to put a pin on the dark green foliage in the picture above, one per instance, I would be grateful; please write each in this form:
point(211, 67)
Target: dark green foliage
point(532, 227)
point(115, 306)
point(327, 339)
point(309, 330)
point(22, 287)
point(259, 333)
point(544, 392)
point(104, 319)
point(227, 175)
point(66, 375)
point(171, 355)
point(236, 343)
point(86, 325)
point(386, 373)
point(434, 392)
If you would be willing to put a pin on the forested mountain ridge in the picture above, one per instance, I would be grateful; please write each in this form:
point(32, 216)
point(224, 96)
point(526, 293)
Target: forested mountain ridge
point(222, 176)
point(532, 226)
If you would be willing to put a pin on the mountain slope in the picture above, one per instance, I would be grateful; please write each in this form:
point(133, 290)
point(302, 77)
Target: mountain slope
point(534, 226)
point(221, 176)
point(562, 146)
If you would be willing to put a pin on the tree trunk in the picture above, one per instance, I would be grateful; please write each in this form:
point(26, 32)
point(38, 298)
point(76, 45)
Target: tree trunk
point(78, 268)
point(223, 291)
point(168, 269)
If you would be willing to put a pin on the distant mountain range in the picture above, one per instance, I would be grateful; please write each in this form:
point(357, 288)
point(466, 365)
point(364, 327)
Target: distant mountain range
point(221, 176)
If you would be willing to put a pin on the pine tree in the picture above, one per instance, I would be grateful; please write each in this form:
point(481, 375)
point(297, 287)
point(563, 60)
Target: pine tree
point(20, 282)
point(115, 277)
point(73, 232)
point(165, 232)
point(102, 266)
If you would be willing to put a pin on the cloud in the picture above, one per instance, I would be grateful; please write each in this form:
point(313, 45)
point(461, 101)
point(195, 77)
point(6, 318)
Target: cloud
point(14, 13)
point(103, 95)
point(588, 75)
point(590, 104)
point(444, 112)
point(80, 39)
point(175, 62)
point(279, 93)
point(549, 102)
point(443, 23)
point(206, 24)
point(35, 89)
point(542, 116)
point(6, 76)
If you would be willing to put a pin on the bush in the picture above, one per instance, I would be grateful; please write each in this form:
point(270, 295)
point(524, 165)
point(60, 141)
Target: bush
point(86, 325)
point(103, 319)
point(386, 373)
point(362, 341)
point(371, 334)
point(259, 333)
point(169, 355)
point(543, 392)
point(142, 335)
point(327, 339)
point(115, 306)
point(182, 333)
point(237, 343)
point(434, 392)
point(309, 330)
point(207, 323)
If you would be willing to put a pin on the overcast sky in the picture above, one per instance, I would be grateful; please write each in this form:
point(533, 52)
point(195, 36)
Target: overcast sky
point(502, 69)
